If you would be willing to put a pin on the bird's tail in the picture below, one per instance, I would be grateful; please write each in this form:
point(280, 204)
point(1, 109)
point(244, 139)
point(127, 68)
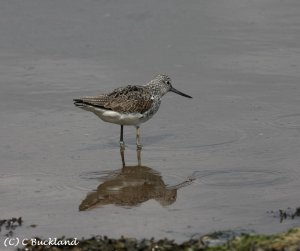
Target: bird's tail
point(78, 102)
point(97, 101)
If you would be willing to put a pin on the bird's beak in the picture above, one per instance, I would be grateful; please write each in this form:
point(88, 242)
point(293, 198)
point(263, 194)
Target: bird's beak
point(180, 93)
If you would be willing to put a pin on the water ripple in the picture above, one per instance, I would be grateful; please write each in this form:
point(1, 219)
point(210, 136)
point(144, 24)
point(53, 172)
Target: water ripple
point(241, 178)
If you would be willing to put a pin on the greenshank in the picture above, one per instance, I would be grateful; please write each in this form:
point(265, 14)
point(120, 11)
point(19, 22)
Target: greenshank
point(129, 105)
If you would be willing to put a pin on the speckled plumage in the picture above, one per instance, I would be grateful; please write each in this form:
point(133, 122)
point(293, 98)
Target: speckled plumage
point(142, 102)
point(129, 105)
point(129, 99)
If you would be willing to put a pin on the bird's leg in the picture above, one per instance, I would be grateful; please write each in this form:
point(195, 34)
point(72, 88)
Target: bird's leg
point(122, 146)
point(138, 145)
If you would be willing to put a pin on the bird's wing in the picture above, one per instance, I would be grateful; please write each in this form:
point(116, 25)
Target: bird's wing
point(129, 99)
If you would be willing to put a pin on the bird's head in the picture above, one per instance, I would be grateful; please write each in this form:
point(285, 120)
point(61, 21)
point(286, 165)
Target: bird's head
point(164, 84)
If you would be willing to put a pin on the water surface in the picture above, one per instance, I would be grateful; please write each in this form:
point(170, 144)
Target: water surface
point(234, 147)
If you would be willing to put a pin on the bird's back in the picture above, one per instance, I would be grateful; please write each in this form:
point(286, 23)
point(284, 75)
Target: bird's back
point(129, 99)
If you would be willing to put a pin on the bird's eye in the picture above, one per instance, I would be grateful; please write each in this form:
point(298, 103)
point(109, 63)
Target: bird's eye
point(168, 82)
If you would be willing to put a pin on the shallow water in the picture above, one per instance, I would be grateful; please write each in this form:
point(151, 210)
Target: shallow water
point(234, 147)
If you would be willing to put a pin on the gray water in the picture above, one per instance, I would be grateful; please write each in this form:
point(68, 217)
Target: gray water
point(234, 147)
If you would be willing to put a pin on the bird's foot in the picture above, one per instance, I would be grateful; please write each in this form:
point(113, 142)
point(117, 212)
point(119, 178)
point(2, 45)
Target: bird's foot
point(122, 146)
point(139, 147)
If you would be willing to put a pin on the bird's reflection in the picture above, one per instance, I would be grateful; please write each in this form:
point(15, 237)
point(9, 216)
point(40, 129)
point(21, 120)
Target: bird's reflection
point(131, 186)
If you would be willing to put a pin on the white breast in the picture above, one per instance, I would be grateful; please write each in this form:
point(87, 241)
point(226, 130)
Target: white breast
point(118, 118)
